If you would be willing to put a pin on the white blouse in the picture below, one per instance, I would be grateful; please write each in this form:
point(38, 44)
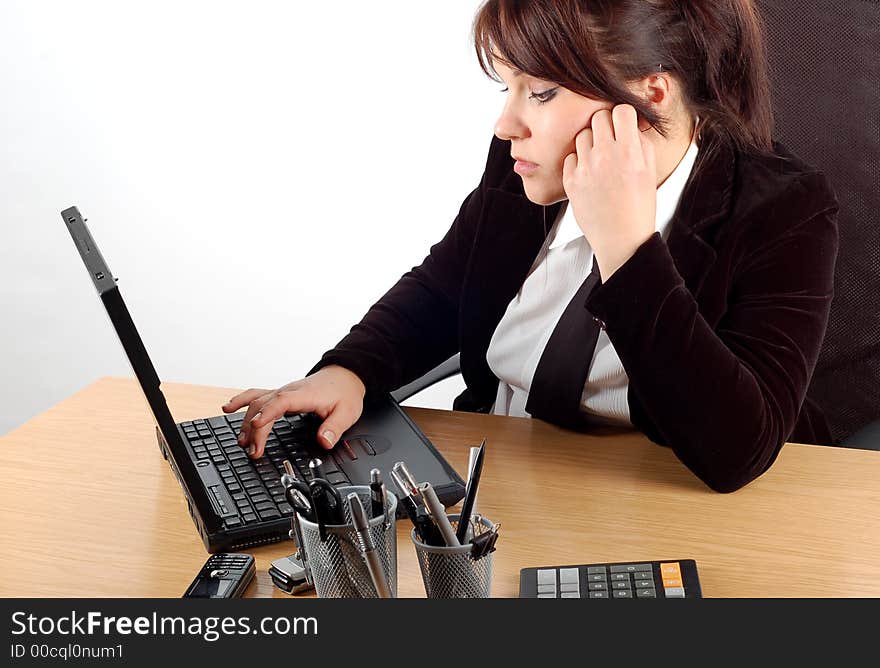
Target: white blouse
point(557, 273)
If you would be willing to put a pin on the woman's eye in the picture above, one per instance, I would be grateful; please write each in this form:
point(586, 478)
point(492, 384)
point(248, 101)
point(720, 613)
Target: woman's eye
point(542, 97)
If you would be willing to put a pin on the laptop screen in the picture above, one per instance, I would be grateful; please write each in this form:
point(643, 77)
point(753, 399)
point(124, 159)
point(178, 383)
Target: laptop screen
point(133, 345)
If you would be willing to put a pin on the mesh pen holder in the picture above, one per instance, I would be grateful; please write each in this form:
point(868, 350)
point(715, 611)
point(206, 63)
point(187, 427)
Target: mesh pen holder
point(451, 572)
point(337, 566)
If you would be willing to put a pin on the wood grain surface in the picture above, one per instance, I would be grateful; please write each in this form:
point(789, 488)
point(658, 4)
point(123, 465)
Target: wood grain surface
point(91, 509)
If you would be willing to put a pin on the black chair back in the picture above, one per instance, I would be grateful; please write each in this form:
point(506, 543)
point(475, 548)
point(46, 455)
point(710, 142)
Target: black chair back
point(824, 58)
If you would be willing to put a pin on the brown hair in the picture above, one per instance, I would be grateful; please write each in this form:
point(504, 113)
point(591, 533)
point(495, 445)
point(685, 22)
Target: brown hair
point(714, 49)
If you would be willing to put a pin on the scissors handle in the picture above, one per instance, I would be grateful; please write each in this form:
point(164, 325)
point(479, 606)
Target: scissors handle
point(298, 497)
point(326, 497)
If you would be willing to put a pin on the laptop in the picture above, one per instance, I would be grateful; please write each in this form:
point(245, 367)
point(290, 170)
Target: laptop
point(237, 502)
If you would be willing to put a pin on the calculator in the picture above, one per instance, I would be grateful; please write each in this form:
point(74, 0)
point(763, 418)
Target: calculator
point(646, 579)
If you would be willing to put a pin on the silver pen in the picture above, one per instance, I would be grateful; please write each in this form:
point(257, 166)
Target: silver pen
point(407, 477)
point(371, 556)
point(438, 514)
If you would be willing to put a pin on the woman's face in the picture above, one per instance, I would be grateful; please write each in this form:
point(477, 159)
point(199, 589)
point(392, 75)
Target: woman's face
point(541, 120)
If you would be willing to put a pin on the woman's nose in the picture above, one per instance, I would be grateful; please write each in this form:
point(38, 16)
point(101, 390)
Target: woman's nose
point(508, 126)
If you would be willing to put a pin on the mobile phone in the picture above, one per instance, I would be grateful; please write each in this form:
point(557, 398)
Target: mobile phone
point(224, 575)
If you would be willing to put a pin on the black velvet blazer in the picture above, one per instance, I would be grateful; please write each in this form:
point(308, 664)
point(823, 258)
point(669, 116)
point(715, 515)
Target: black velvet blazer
point(718, 328)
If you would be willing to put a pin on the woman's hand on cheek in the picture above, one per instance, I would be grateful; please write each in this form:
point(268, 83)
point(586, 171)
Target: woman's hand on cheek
point(611, 184)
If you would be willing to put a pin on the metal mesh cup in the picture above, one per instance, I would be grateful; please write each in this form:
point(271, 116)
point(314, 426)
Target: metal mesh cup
point(451, 572)
point(337, 566)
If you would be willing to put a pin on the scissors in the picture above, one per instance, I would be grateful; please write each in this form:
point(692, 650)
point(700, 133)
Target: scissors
point(297, 493)
point(327, 505)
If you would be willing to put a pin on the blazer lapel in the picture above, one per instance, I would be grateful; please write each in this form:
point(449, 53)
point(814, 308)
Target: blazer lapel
point(705, 202)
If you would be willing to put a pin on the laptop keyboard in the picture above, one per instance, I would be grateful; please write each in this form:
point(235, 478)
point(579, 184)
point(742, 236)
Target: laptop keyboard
point(255, 485)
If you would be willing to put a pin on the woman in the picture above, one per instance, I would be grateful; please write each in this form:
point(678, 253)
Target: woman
point(638, 251)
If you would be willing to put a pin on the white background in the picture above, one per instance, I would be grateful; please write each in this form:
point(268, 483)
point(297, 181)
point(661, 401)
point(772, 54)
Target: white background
point(256, 175)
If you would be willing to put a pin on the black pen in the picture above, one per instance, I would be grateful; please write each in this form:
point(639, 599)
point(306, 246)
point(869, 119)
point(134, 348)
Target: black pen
point(470, 494)
point(377, 502)
point(315, 466)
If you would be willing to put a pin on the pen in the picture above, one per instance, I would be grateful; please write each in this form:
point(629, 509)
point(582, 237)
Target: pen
point(371, 557)
point(377, 502)
point(315, 468)
point(384, 502)
point(470, 494)
point(409, 484)
point(426, 530)
point(472, 459)
point(438, 514)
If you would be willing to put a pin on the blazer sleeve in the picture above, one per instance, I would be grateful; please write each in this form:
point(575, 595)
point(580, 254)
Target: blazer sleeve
point(726, 399)
point(414, 326)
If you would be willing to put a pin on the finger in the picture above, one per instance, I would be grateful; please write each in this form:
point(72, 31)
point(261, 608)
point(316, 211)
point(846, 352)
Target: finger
point(648, 154)
point(340, 418)
point(568, 167)
point(241, 399)
point(602, 126)
point(583, 144)
point(286, 401)
point(255, 407)
point(259, 436)
point(260, 424)
point(626, 126)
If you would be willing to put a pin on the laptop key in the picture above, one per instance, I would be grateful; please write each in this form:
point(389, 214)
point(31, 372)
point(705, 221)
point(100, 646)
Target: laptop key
point(271, 514)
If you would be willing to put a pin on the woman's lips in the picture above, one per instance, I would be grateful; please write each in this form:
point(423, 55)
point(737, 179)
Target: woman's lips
point(524, 168)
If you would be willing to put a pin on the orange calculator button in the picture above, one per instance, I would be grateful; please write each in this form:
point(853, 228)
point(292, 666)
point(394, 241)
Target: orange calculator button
point(670, 570)
point(671, 574)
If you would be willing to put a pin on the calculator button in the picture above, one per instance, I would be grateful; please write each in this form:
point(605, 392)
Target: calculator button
point(631, 568)
point(641, 584)
point(596, 577)
point(622, 593)
point(620, 577)
point(547, 589)
point(595, 570)
point(671, 583)
point(620, 585)
point(567, 587)
point(598, 594)
point(571, 594)
point(546, 595)
point(674, 592)
point(547, 576)
point(568, 575)
point(671, 569)
point(646, 593)
point(644, 568)
point(598, 586)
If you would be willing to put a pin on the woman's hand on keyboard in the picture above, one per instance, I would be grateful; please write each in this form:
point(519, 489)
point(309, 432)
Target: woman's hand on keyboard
point(334, 393)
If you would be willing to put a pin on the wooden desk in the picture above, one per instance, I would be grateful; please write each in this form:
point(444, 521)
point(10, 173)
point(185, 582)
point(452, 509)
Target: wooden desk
point(90, 507)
